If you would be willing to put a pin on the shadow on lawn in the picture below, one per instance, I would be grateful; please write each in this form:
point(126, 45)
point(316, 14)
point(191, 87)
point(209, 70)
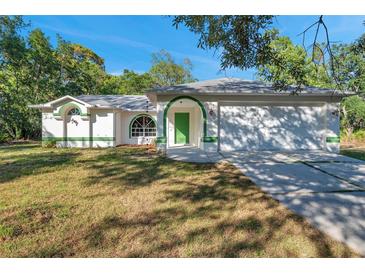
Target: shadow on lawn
point(32, 164)
point(133, 170)
point(36, 218)
point(17, 147)
point(151, 236)
point(206, 204)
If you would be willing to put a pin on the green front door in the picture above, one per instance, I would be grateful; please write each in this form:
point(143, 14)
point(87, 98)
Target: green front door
point(181, 128)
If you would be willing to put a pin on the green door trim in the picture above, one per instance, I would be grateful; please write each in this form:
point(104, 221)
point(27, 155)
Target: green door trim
point(182, 127)
point(163, 139)
point(206, 139)
point(179, 98)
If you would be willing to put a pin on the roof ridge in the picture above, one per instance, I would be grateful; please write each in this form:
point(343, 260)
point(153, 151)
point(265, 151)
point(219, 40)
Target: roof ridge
point(119, 95)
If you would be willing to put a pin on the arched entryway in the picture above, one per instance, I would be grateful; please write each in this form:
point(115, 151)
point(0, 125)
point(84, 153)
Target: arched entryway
point(184, 122)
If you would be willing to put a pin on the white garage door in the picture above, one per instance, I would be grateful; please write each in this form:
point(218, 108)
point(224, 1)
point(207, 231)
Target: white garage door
point(271, 127)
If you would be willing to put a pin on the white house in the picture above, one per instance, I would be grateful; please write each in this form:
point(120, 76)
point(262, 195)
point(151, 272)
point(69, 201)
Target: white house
point(215, 115)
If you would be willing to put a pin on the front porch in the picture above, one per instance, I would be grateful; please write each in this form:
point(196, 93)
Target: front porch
point(183, 121)
point(184, 124)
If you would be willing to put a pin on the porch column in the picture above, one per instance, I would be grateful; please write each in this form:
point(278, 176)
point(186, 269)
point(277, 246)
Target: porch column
point(332, 132)
point(210, 142)
point(161, 139)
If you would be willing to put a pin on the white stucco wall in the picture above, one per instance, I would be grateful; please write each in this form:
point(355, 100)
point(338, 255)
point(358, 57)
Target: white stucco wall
point(332, 131)
point(123, 129)
point(160, 106)
point(102, 128)
point(118, 128)
point(66, 131)
point(51, 127)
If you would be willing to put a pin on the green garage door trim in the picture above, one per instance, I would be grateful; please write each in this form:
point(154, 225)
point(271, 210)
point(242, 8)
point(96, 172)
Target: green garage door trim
point(205, 138)
point(332, 139)
point(182, 124)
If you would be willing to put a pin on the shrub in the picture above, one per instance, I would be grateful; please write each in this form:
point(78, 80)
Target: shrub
point(359, 135)
point(49, 144)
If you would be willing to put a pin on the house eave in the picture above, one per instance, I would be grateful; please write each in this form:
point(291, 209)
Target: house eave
point(334, 94)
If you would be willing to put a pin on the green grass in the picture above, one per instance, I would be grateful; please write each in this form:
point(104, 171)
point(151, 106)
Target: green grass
point(358, 153)
point(132, 202)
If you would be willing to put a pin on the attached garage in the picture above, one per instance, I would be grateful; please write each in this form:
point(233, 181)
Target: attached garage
point(245, 115)
point(269, 126)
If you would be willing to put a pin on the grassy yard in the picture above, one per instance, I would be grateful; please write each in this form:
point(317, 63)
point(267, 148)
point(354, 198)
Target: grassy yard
point(131, 202)
point(356, 152)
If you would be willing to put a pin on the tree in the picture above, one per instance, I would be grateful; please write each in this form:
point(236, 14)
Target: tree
point(33, 71)
point(242, 41)
point(129, 82)
point(81, 70)
point(291, 66)
point(163, 72)
point(13, 54)
point(350, 65)
point(353, 115)
point(166, 72)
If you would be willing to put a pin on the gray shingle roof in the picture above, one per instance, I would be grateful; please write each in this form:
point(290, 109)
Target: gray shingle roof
point(124, 102)
point(237, 86)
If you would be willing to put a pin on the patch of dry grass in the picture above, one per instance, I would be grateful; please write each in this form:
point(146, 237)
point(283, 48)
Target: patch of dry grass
point(132, 202)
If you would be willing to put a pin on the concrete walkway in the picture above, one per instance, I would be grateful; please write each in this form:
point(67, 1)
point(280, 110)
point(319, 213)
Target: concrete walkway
point(192, 155)
point(327, 189)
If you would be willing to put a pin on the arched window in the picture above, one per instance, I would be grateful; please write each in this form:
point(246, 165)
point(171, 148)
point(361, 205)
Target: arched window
point(74, 111)
point(143, 126)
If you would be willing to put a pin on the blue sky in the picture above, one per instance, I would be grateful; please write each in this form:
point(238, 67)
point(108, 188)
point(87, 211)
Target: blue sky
point(126, 42)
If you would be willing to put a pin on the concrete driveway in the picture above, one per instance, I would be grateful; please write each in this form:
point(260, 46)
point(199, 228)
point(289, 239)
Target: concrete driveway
point(328, 189)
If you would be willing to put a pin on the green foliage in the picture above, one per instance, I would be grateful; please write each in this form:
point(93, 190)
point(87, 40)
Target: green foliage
point(165, 72)
point(350, 65)
point(242, 41)
point(353, 114)
point(291, 66)
point(129, 82)
point(360, 135)
point(32, 71)
point(49, 143)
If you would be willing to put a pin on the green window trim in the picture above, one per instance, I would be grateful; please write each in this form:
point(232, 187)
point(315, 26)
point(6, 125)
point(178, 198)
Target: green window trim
point(169, 104)
point(83, 139)
point(136, 117)
point(332, 139)
point(61, 112)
